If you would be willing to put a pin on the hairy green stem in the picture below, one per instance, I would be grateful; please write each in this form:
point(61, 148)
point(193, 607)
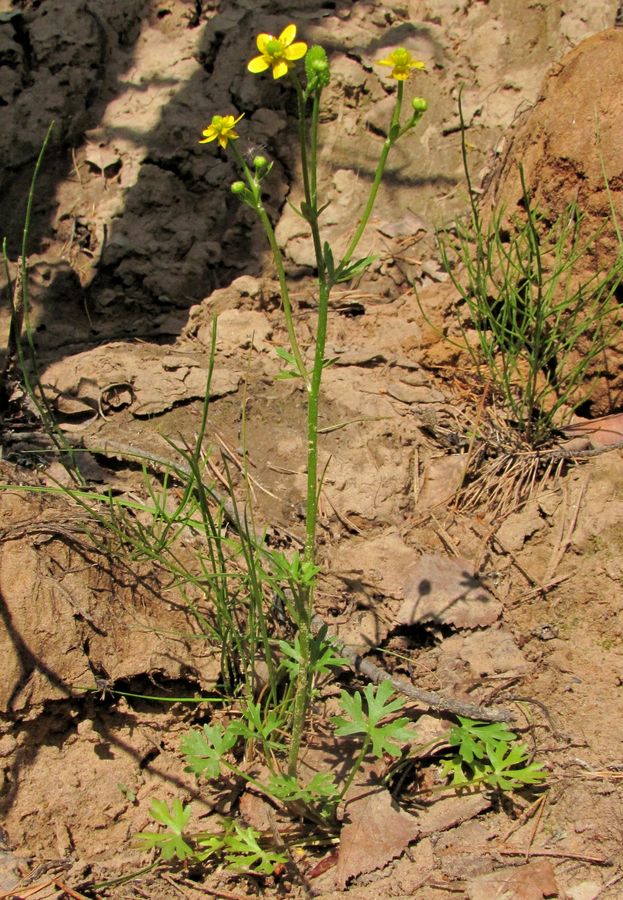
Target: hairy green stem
point(312, 424)
point(302, 687)
point(313, 149)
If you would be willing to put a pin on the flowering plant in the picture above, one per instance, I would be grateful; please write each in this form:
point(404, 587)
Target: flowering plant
point(280, 55)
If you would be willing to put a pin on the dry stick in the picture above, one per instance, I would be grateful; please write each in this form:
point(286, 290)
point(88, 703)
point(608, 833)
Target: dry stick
point(537, 822)
point(184, 893)
point(70, 893)
point(491, 536)
point(231, 454)
point(565, 453)
point(372, 672)
point(443, 886)
point(610, 883)
point(555, 854)
point(430, 698)
point(26, 892)
point(523, 818)
point(565, 537)
point(166, 877)
point(212, 892)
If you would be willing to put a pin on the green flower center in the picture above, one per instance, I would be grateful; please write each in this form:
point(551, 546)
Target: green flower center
point(401, 57)
point(274, 48)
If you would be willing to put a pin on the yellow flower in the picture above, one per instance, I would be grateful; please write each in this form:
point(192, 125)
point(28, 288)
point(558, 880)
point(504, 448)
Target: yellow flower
point(277, 54)
point(401, 63)
point(221, 128)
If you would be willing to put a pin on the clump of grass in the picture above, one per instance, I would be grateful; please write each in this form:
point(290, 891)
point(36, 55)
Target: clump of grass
point(536, 326)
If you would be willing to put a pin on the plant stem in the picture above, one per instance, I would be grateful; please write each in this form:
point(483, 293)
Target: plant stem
point(313, 150)
point(306, 602)
point(308, 166)
point(302, 687)
point(306, 597)
point(312, 424)
point(278, 260)
point(390, 140)
point(534, 308)
point(303, 682)
point(356, 766)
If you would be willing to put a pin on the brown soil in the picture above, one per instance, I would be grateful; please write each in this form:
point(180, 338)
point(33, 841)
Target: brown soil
point(136, 243)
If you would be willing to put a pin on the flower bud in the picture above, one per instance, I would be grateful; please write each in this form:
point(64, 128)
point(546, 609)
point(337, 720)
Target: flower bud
point(317, 67)
point(238, 187)
point(259, 162)
point(419, 104)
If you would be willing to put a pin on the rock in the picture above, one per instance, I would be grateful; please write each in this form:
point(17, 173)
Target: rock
point(412, 393)
point(520, 527)
point(379, 562)
point(533, 881)
point(493, 652)
point(239, 329)
point(446, 591)
point(441, 479)
point(584, 890)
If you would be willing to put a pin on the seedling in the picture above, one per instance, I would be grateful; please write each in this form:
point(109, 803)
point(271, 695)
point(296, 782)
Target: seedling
point(488, 755)
point(236, 847)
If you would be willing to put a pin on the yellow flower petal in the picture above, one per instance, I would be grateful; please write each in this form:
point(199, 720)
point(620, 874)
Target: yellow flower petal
point(296, 51)
point(280, 68)
point(258, 64)
point(262, 40)
point(287, 35)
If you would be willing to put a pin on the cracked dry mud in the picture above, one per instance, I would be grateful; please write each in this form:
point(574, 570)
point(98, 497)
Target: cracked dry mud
point(136, 244)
